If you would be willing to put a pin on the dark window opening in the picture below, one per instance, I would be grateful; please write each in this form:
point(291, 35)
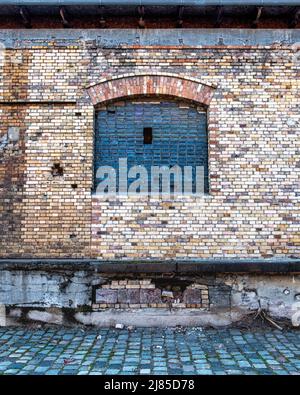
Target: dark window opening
point(147, 135)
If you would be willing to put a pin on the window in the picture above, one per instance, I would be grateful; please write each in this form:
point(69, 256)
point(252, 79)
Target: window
point(163, 133)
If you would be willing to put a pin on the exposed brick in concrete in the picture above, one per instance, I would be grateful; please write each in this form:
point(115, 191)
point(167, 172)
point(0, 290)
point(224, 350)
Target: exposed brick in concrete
point(146, 293)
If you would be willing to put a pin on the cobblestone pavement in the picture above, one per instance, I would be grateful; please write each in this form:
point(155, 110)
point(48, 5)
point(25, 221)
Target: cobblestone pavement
point(148, 351)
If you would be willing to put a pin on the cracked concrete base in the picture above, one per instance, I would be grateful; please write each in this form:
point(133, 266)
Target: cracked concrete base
point(66, 298)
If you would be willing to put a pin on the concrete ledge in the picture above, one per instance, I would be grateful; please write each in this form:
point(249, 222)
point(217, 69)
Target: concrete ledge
point(115, 38)
point(274, 265)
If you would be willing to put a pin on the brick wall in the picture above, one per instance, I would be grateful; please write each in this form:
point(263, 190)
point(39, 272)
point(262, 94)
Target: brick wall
point(252, 94)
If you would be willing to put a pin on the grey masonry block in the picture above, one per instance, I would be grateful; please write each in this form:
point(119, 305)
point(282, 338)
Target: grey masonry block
point(150, 296)
point(106, 295)
point(131, 296)
point(192, 296)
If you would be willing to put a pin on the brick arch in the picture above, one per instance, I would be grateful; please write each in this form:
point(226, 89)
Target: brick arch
point(137, 85)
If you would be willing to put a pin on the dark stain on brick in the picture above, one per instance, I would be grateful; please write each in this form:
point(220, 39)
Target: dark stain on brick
point(12, 158)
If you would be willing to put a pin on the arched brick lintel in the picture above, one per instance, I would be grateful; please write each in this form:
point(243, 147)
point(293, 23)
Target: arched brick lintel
point(151, 85)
